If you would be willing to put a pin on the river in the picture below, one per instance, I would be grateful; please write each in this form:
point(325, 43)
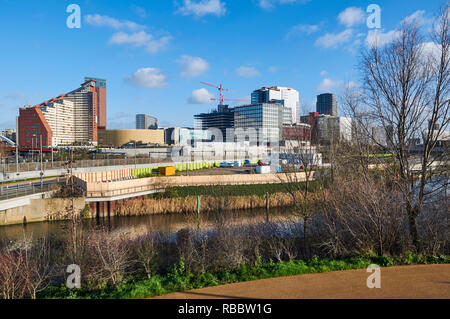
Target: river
point(138, 225)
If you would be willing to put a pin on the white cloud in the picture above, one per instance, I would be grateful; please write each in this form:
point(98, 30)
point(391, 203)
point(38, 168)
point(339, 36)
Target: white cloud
point(202, 8)
point(273, 69)
point(416, 17)
point(303, 28)
point(329, 85)
point(137, 37)
point(330, 40)
point(323, 73)
point(247, 72)
point(270, 4)
point(147, 78)
point(191, 66)
point(377, 38)
point(351, 16)
point(155, 46)
point(431, 50)
point(140, 39)
point(200, 96)
point(351, 85)
point(105, 21)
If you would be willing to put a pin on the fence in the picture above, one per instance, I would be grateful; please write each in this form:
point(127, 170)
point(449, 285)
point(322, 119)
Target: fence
point(36, 166)
point(20, 190)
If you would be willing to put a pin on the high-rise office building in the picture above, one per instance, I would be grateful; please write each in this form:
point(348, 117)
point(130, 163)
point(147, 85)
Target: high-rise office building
point(222, 119)
point(287, 97)
point(146, 122)
point(259, 123)
point(100, 89)
point(334, 129)
point(63, 120)
point(327, 104)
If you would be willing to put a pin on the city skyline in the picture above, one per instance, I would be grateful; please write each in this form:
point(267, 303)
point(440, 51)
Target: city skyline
point(154, 55)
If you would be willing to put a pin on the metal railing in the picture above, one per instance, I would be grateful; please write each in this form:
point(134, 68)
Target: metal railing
point(19, 190)
point(36, 166)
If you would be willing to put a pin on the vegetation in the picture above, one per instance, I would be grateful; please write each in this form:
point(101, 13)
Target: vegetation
point(179, 279)
point(213, 203)
point(404, 93)
point(142, 263)
point(228, 190)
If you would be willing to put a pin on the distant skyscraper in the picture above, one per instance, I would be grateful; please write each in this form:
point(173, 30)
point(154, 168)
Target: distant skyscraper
point(222, 119)
point(287, 97)
point(146, 122)
point(100, 89)
point(265, 118)
point(327, 104)
point(334, 129)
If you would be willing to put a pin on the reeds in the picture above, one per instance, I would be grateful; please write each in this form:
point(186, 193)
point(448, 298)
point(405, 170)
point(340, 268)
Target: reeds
point(208, 203)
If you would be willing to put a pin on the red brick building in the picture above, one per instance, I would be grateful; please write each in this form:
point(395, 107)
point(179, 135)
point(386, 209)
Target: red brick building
point(299, 132)
point(311, 119)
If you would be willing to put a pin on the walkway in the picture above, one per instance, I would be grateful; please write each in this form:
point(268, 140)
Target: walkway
point(422, 281)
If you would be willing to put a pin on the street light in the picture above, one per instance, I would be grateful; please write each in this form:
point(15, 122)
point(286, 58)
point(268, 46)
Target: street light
point(42, 168)
point(32, 148)
point(135, 155)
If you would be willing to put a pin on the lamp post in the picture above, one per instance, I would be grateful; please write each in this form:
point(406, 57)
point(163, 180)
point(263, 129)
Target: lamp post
point(42, 168)
point(32, 148)
point(17, 157)
point(135, 156)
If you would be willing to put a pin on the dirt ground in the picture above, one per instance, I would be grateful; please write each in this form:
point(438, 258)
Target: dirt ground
point(409, 282)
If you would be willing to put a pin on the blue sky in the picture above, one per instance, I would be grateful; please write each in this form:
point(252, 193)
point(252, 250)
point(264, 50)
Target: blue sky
point(155, 53)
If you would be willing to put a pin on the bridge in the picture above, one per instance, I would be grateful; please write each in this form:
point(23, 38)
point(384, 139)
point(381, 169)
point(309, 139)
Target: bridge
point(7, 140)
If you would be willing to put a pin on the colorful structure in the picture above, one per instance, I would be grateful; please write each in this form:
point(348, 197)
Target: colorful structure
point(69, 118)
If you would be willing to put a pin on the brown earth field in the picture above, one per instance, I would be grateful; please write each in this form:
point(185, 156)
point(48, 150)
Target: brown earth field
point(402, 282)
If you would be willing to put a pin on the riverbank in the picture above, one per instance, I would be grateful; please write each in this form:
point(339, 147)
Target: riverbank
point(178, 279)
point(217, 198)
point(188, 204)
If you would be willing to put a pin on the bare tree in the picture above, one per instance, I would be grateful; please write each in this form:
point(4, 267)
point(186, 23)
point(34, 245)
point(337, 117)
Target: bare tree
point(147, 253)
point(112, 255)
point(37, 267)
point(405, 84)
point(12, 283)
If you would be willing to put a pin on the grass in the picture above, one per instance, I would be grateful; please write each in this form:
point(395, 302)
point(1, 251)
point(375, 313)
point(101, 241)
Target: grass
point(231, 190)
point(178, 279)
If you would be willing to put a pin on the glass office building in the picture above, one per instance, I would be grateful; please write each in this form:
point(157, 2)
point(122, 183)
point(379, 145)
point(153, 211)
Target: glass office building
point(259, 123)
point(327, 104)
point(222, 119)
point(146, 122)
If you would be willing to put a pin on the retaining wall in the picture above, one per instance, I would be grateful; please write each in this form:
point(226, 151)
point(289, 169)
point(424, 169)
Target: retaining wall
point(43, 209)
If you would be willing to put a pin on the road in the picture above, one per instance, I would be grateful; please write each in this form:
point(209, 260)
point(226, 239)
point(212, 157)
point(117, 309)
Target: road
point(409, 282)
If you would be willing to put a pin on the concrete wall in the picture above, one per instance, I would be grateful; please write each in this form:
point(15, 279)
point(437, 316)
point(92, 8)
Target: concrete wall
point(42, 209)
point(91, 177)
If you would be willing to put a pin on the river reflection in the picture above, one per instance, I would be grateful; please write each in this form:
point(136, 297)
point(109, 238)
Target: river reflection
point(138, 225)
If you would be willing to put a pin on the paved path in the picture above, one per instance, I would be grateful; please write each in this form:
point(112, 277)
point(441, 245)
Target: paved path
point(422, 281)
